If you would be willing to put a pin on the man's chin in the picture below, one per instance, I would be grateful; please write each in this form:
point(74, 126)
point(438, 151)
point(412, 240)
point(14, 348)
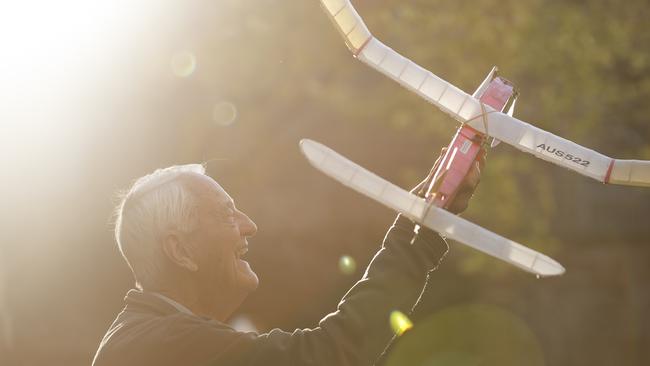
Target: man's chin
point(247, 277)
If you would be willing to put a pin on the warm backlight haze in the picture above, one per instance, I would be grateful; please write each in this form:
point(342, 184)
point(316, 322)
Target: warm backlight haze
point(94, 94)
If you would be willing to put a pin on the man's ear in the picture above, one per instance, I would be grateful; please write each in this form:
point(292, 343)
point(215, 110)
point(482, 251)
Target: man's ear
point(178, 252)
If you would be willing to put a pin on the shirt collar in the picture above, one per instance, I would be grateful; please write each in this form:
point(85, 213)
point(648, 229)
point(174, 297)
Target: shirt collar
point(181, 308)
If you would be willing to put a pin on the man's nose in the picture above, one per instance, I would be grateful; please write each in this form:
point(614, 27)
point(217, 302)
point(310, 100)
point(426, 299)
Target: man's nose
point(246, 226)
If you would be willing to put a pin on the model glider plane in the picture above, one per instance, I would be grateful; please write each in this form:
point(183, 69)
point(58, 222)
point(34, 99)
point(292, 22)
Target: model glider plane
point(470, 111)
point(481, 116)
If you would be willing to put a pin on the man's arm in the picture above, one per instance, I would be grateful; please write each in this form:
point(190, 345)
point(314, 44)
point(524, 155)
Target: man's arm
point(359, 330)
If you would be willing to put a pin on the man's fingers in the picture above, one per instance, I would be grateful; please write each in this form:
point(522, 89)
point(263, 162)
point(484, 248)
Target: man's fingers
point(479, 163)
point(474, 176)
point(465, 191)
point(467, 188)
point(460, 202)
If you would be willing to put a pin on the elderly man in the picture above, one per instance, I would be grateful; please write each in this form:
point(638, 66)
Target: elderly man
point(184, 239)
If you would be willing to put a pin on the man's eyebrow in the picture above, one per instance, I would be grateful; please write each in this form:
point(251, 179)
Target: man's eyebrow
point(227, 204)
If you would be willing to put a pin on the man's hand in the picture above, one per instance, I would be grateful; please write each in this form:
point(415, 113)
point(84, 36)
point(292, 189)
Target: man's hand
point(466, 190)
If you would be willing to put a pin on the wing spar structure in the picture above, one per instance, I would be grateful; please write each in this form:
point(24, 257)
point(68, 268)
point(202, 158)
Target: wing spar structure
point(467, 109)
point(417, 209)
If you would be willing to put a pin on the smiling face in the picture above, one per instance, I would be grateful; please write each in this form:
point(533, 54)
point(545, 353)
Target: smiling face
point(219, 242)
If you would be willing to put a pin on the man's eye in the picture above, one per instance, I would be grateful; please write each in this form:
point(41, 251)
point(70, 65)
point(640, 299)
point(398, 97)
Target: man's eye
point(229, 216)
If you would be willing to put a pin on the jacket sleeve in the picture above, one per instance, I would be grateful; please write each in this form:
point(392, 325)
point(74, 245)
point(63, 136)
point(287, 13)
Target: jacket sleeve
point(359, 330)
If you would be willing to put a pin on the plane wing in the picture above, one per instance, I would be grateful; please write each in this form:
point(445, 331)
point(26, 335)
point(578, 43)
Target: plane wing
point(417, 209)
point(467, 109)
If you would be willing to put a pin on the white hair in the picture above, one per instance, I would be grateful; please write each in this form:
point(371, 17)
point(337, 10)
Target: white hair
point(154, 203)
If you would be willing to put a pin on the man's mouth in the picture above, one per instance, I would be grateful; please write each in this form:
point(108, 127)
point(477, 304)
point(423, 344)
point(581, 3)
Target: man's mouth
point(241, 251)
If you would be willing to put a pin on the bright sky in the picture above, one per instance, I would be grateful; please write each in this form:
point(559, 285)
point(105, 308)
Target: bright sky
point(44, 42)
point(49, 51)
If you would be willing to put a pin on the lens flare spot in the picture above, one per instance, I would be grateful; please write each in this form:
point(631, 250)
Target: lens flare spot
point(224, 113)
point(399, 322)
point(183, 64)
point(242, 323)
point(469, 335)
point(347, 265)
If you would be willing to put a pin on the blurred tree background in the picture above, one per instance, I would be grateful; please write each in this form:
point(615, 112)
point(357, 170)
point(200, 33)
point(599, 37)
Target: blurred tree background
point(236, 84)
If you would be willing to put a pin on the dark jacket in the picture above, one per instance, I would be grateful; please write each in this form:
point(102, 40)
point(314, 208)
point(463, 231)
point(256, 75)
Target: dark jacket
point(149, 331)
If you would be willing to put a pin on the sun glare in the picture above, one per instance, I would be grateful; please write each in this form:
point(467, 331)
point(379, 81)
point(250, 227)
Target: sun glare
point(49, 41)
point(53, 56)
point(51, 51)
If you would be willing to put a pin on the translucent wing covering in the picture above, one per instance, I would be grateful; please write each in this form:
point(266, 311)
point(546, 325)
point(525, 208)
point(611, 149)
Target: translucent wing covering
point(568, 154)
point(370, 50)
point(467, 109)
point(417, 209)
point(630, 173)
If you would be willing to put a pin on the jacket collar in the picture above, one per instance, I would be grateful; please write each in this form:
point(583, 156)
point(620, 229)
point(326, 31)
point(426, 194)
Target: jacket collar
point(178, 306)
point(143, 301)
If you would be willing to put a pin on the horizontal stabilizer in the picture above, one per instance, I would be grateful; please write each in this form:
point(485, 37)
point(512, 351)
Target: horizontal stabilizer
point(417, 209)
